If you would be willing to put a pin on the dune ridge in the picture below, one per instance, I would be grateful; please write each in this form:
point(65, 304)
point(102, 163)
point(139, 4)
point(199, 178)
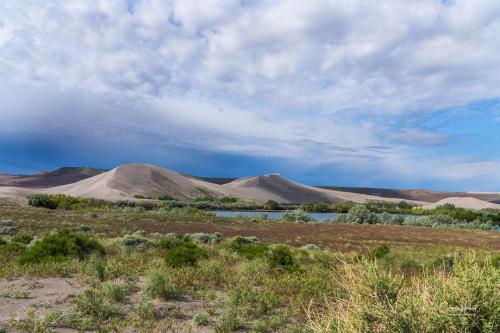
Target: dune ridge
point(464, 202)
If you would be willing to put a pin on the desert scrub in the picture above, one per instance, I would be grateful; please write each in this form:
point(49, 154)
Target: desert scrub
point(281, 258)
point(186, 254)
point(61, 245)
point(247, 247)
point(464, 299)
point(159, 286)
point(23, 238)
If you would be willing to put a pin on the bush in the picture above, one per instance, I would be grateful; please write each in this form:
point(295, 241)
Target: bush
point(378, 252)
point(280, 257)
point(200, 319)
point(171, 241)
point(158, 287)
point(63, 244)
point(247, 247)
point(296, 215)
point(186, 254)
point(360, 214)
point(23, 238)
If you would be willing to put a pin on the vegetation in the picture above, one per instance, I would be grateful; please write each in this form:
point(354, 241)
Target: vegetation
point(60, 245)
point(153, 281)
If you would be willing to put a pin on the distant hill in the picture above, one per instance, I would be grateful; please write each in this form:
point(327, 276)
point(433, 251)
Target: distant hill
point(418, 195)
point(61, 176)
point(131, 180)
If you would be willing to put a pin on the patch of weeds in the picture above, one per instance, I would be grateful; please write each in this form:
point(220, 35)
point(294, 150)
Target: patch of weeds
point(159, 287)
point(187, 254)
point(31, 323)
point(58, 246)
point(96, 267)
point(171, 241)
point(410, 266)
point(378, 252)
point(200, 319)
point(23, 238)
point(18, 294)
point(92, 303)
point(8, 249)
point(228, 321)
point(145, 310)
point(136, 240)
point(116, 291)
point(280, 257)
point(247, 247)
point(269, 324)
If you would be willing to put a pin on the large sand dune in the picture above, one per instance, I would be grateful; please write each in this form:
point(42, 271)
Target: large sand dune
point(464, 202)
point(131, 180)
point(278, 188)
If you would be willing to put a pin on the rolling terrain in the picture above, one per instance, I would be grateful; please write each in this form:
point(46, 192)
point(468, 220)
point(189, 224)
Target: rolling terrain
point(138, 180)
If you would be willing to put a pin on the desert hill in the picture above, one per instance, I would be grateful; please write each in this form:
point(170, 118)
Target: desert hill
point(276, 187)
point(61, 176)
point(130, 180)
point(415, 194)
point(464, 202)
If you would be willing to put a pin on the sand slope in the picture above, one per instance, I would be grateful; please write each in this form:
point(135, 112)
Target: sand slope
point(127, 181)
point(464, 202)
point(276, 187)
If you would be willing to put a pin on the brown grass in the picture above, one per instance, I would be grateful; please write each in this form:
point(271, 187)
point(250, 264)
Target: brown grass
point(342, 237)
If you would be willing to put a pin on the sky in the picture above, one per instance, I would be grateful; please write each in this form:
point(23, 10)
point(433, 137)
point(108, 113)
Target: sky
point(401, 94)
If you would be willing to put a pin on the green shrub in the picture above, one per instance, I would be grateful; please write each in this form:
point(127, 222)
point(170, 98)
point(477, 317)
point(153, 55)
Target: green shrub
point(23, 238)
point(116, 291)
point(159, 287)
point(200, 319)
point(171, 241)
point(92, 303)
point(2, 241)
point(296, 215)
point(281, 257)
point(63, 244)
point(186, 254)
point(7, 249)
point(378, 252)
point(360, 214)
point(247, 247)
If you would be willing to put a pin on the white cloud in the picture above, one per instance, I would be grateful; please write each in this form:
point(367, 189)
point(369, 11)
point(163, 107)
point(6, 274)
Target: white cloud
point(275, 78)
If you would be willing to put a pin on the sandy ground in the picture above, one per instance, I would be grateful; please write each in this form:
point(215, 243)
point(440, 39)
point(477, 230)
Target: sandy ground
point(466, 202)
point(42, 295)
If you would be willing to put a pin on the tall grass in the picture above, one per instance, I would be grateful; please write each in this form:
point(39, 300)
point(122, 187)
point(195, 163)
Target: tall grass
point(464, 298)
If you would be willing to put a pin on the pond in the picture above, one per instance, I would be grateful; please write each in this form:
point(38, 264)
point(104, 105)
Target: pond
point(319, 217)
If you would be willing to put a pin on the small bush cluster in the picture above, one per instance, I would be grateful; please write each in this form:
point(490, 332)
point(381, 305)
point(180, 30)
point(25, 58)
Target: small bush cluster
point(186, 254)
point(58, 246)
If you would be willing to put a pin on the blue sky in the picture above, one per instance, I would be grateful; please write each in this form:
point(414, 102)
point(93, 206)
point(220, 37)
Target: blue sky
point(352, 93)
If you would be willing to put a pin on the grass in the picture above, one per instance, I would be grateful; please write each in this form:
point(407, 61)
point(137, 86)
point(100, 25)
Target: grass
point(364, 278)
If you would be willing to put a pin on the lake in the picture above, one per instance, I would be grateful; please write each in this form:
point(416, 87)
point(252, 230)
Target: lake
point(319, 217)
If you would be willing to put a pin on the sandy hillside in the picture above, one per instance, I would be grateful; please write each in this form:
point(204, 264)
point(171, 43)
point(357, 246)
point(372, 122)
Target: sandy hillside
point(464, 202)
point(129, 180)
point(276, 187)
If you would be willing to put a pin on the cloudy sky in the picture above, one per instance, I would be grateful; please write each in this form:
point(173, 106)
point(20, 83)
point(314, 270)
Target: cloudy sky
point(358, 93)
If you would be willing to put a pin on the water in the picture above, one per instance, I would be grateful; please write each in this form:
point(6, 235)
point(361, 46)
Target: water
point(319, 217)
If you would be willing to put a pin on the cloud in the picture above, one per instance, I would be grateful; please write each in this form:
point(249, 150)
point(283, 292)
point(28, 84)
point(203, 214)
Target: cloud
point(342, 83)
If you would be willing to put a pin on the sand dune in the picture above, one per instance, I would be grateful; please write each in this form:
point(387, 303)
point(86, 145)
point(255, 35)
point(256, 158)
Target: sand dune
point(278, 188)
point(130, 180)
point(464, 202)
